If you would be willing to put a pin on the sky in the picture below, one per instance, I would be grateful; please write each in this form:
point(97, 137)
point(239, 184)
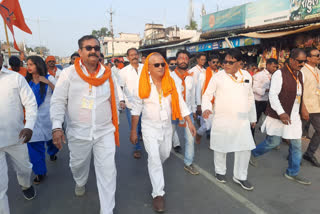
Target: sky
point(58, 24)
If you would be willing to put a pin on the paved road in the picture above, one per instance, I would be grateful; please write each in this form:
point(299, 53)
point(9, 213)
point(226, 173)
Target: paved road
point(187, 194)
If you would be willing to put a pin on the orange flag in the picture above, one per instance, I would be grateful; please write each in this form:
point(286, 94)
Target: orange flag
point(11, 12)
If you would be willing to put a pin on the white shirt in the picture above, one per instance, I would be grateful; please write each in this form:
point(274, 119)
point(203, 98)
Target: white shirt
point(261, 83)
point(197, 70)
point(15, 94)
point(233, 111)
point(274, 126)
point(190, 90)
point(199, 86)
point(58, 73)
point(129, 81)
point(70, 95)
point(150, 108)
point(43, 126)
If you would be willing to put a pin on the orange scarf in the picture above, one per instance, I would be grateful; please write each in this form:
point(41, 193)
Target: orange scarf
point(22, 71)
point(53, 73)
point(92, 80)
point(167, 84)
point(209, 74)
point(183, 77)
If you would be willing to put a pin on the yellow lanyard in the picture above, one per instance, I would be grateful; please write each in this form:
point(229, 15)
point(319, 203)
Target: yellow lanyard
point(297, 80)
point(160, 98)
point(235, 79)
point(316, 75)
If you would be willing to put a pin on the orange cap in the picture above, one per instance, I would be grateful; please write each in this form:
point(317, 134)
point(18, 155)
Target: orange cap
point(50, 58)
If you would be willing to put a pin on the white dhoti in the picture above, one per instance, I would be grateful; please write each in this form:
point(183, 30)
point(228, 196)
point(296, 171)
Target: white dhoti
point(103, 150)
point(158, 150)
point(241, 162)
point(175, 139)
point(18, 154)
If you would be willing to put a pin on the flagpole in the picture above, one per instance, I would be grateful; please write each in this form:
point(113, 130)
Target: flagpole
point(6, 30)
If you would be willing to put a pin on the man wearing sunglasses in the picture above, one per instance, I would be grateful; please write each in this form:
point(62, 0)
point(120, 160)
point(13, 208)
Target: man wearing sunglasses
point(52, 68)
point(129, 80)
point(87, 93)
point(159, 101)
point(186, 85)
point(261, 86)
point(284, 112)
point(204, 79)
point(311, 99)
point(234, 113)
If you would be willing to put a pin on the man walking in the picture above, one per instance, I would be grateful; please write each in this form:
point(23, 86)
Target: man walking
point(87, 93)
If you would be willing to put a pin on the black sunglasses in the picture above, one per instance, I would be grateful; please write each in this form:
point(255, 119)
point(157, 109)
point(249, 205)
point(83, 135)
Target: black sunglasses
point(89, 48)
point(157, 65)
point(301, 61)
point(229, 62)
point(316, 55)
point(214, 62)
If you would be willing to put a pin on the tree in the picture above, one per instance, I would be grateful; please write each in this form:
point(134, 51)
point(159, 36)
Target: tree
point(42, 50)
point(192, 26)
point(103, 32)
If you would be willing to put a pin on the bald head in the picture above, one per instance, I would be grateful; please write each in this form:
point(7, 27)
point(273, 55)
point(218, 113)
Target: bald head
point(155, 66)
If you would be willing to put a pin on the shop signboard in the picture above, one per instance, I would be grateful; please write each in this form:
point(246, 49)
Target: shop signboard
point(264, 12)
point(222, 44)
point(305, 9)
point(232, 18)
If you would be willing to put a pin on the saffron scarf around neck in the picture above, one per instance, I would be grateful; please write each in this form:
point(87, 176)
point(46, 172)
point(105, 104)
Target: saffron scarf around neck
point(92, 80)
point(53, 73)
point(209, 74)
point(36, 90)
point(183, 77)
point(167, 85)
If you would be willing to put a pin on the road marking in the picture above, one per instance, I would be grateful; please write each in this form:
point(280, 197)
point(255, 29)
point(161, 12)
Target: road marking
point(243, 200)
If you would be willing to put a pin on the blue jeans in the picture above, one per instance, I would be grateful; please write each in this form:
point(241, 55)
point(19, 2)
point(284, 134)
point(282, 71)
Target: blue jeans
point(189, 142)
point(137, 147)
point(294, 152)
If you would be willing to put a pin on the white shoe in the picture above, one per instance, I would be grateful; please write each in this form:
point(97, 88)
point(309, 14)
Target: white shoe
point(80, 190)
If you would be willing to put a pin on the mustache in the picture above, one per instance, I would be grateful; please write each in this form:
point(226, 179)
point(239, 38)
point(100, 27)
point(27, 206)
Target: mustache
point(93, 54)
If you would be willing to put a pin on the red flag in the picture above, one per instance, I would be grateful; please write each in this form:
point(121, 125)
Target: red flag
point(11, 12)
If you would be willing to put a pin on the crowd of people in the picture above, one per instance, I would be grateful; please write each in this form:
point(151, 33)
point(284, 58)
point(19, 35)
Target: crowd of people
point(44, 107)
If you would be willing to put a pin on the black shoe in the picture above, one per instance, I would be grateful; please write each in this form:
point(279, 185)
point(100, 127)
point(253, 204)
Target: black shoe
point(313, 160)
point(221, 178)
point(29, 193)
point(177, 149)
point(298, 178)
point(53, 157)
point(244, 184)
point(38, 179)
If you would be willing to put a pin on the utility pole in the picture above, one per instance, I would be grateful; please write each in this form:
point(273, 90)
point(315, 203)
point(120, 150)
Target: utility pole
point(111, 29)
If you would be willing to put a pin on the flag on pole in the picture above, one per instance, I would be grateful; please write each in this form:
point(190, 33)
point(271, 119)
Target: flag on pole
point(12, 15)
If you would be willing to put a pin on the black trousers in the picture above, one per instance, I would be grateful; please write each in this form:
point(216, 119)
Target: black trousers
point(315, 140)
point(260, 108)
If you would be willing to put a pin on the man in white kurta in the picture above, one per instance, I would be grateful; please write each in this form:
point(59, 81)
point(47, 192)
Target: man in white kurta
point(15, 94)
point(157, 111)
point(198, 69)
point(90, 128)
point(128, 81)
point(233, 113)
point(205, 125)
point(284, 114)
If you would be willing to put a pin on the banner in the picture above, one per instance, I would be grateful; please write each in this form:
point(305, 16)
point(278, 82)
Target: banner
point(232, 18)
point(222, 44)
point(265, 12)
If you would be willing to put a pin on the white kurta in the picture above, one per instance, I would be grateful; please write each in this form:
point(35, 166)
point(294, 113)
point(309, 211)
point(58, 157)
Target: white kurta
point(197, 70)
point(69, 96)
point(261, 83)
point(43, 126)
point(15, 94)
point(129, 81)
point(190, 90)
point(233, 111)
point(274, 126)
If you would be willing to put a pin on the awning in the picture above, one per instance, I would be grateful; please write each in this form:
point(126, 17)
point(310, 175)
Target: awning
point(282, 33)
